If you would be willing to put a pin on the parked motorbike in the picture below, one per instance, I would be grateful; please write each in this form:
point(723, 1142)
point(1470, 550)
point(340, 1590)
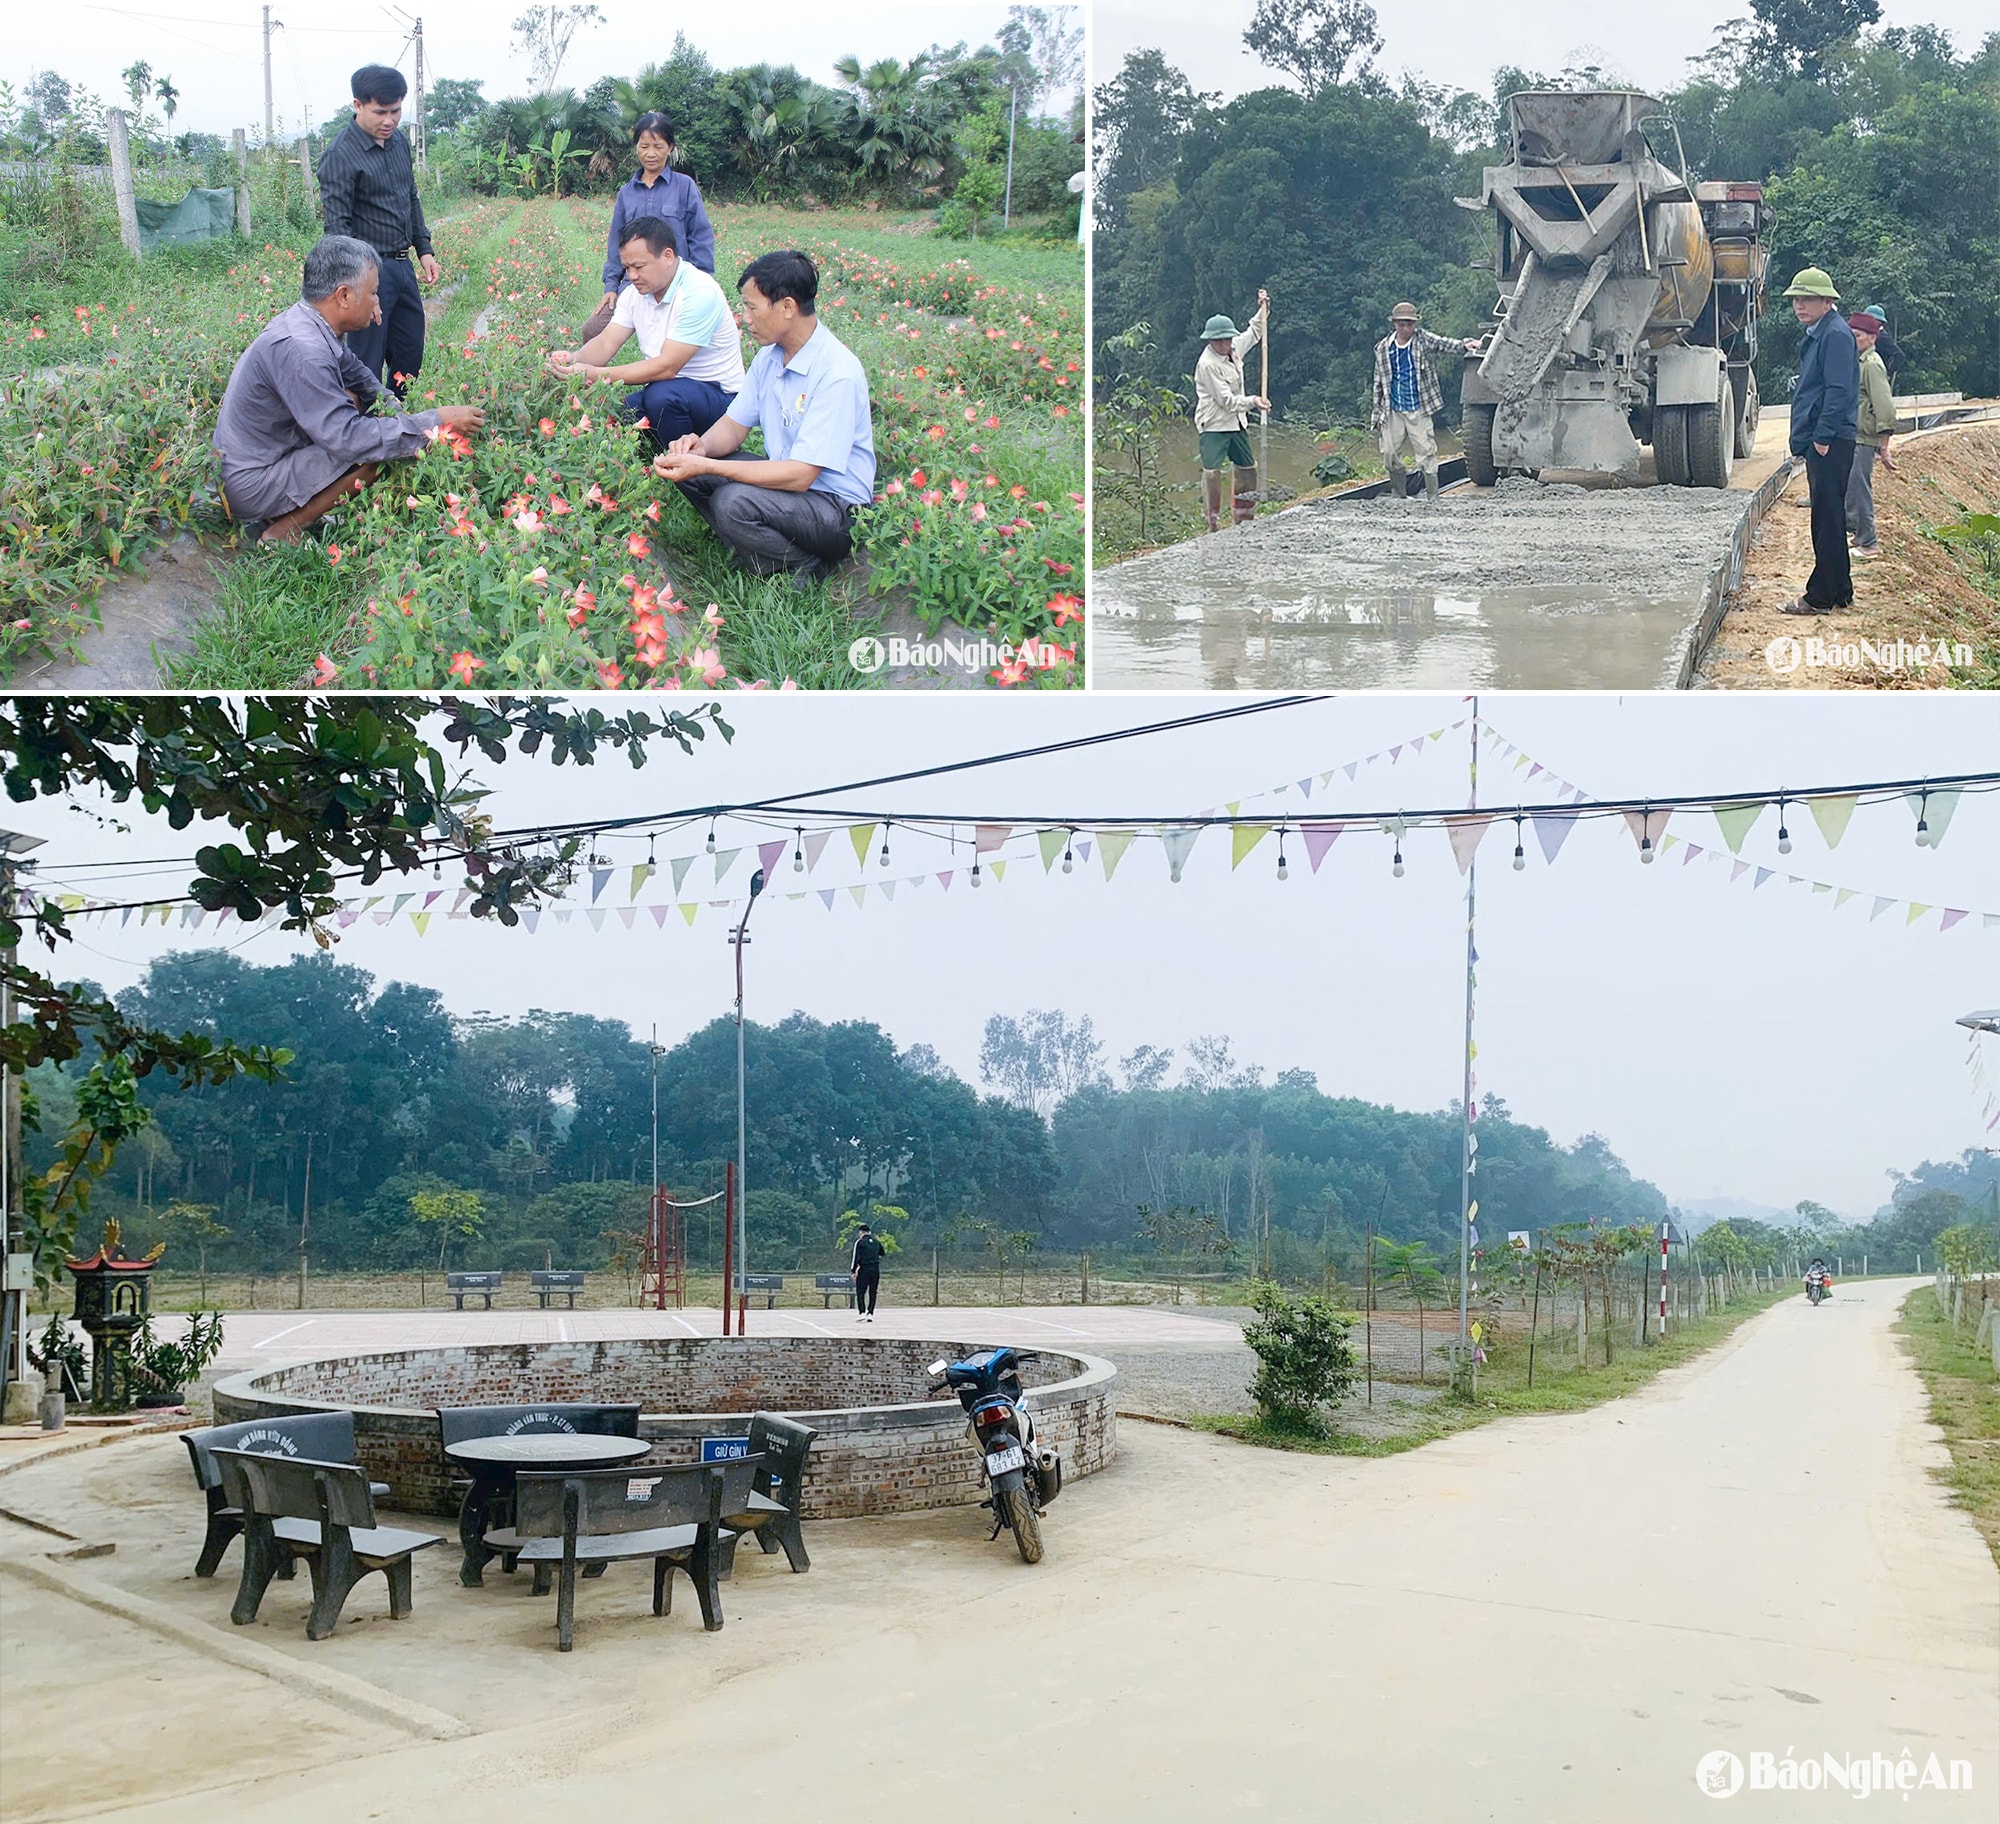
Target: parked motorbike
point(1023, 1475)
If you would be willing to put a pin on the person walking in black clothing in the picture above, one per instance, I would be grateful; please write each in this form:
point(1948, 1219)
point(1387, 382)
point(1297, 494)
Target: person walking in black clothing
point(866, 1269)
point(368, 189)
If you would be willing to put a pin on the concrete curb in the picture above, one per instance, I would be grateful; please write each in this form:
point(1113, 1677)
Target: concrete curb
point(1728, 572)
point(341, 1689)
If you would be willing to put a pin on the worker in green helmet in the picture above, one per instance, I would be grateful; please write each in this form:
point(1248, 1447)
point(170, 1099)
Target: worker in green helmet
point(1825, 410)
point(1221, 413)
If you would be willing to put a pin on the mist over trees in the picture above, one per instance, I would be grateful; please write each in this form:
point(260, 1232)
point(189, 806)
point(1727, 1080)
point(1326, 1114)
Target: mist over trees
point(482, 1141)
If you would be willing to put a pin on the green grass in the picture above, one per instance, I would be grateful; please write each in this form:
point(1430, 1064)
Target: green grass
point(1560, 1386)
point(1965, 1402)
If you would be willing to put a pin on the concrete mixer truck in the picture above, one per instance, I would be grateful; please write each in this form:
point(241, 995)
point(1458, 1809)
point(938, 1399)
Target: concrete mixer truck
point(1628, 304)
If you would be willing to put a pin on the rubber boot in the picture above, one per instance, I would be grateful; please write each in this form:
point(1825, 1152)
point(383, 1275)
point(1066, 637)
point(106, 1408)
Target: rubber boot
point(1211, 485)
point(1398, 482)
point(1431, 486)
point(1245, 501)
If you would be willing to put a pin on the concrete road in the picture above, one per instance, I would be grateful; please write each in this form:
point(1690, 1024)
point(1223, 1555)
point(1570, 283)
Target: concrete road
point(1543, 1620)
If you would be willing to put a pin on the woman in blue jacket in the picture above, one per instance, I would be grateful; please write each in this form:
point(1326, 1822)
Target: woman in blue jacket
point(672, 195)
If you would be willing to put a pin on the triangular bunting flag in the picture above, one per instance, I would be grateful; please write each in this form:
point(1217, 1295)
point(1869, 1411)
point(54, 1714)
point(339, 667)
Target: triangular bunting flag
point(1933, 810)
point(1050, 843)
point(1951, 917)
point(1736, 822)
point(1763, 874)
point(531, 918)
point(813, 844)
point(887, 888)
point(860, 834)
point(1917, 910)
point(989, 836)
point(641, 873)
point(944, 880)
point(1178, 844)
point(725, 859)
point(1465, 834)
point(1842, 897)
point(825, 897)
point(860, 893)
point(659, 916)
point(998, 870)
point(422, 921)
point(626, 914)
point(1882, 903)
point(564, 915)
point(1551, 832)
point(1111, 847)
point(767, 856)
point(1319, 837)
point(1831, 814)
point(1647, 827)
point(598, 879)
point(596, 916)
point(680, 865)
point(1244, 837)
point(1305, 785)
point(687, 910)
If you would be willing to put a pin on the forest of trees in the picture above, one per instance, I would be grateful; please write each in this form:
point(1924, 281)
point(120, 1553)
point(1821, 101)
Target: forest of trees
point(1876, 146)
point(546, 1121)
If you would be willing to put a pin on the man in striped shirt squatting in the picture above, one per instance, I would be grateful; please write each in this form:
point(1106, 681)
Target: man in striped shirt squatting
point(1407, 396)
point(692, 364)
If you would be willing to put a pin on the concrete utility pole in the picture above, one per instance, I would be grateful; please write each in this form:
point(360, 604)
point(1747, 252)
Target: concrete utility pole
point(417, 115)
point(270, 119)
point(19, 1278)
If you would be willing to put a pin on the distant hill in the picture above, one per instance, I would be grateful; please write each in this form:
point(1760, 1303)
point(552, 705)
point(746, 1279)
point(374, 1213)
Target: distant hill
point(1703, 1211)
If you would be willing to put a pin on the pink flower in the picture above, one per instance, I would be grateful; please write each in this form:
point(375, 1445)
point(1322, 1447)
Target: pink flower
point(609, 675)
point(557, 505)
point(706, 662)
point(333, 554)
point(653, 512)
point(894, 487)
point(538, 575)
point(637, 544)
point(979, 509)
point(464, 666)
point(547, 427)
point(324, 670)
point(528, 520)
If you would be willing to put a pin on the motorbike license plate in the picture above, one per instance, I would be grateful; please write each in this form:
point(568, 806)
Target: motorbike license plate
point(999, 1462)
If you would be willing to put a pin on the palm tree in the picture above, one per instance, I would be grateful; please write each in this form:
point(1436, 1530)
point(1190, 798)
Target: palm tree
point(169, 99)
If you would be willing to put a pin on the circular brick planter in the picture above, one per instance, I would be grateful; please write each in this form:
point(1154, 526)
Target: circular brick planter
point(884, 1447)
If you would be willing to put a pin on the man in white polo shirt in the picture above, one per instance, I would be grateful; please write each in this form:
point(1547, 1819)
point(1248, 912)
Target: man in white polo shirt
point(791, 509)
point(693, 362)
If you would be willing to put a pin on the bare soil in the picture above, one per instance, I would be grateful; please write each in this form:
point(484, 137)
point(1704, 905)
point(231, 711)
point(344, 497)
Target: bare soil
point(1916, 590)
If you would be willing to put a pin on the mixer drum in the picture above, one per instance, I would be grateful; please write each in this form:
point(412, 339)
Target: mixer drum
point(1675, 232)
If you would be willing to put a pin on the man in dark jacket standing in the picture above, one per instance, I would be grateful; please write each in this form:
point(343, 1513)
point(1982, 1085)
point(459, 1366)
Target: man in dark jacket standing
point(866, 1269)
point(1825, 407)
point(368, 189)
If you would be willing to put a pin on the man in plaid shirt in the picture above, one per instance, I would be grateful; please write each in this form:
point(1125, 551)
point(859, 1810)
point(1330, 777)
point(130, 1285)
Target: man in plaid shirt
point(1407, 395)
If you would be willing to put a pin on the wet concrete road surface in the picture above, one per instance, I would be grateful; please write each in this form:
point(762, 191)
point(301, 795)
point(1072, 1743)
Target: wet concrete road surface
point(1524, 586)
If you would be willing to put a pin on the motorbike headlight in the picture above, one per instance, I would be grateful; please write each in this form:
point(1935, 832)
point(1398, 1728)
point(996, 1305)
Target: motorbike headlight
point(935, 1368)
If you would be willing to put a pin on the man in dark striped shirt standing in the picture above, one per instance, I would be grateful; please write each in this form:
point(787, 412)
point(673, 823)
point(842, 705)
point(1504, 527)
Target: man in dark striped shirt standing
point(368, 190)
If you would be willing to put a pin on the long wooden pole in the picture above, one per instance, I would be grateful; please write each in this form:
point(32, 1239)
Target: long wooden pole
point(1264, 429)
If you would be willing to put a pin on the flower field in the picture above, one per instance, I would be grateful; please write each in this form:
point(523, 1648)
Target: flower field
point(541, 553)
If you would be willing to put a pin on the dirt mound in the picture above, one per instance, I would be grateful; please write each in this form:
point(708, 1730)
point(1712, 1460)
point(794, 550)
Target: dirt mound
point(1917, 590)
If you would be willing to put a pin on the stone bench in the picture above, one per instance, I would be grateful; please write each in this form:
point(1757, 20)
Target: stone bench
point(770, 1284)
point(830, 1286)
point(459, 1285)
point(547, 1284)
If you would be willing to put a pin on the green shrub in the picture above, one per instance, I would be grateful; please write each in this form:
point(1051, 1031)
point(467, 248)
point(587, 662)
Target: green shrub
point(1304, 1359)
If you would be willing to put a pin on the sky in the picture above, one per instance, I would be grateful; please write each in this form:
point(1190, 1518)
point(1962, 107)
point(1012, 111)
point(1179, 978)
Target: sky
point(212, 49)
point(1459, 43)
point(1727, 1039)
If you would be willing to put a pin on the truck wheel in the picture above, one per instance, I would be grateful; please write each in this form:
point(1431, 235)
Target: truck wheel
point(1670, 445)
point(1743, 383)
point(1711, 437)
point(1479, 445)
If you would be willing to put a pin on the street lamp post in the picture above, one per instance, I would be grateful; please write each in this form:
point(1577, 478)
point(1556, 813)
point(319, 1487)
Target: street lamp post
point(739, 937)
point(14, 848)
point(1986, 1019)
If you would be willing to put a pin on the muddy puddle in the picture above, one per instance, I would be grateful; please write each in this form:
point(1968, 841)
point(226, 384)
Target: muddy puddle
point(1523, 587)
point(1504, 639)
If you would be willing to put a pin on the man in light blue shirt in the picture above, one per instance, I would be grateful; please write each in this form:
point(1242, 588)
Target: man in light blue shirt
point(791, 509)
